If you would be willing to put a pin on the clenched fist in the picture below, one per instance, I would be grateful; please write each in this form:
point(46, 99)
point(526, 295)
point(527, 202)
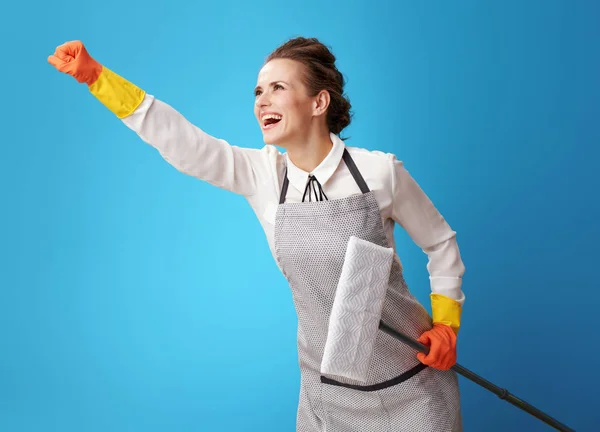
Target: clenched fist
point(72, 58)
point(441, 341)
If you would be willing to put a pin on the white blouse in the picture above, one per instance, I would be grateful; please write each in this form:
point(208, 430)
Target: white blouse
point(257, 174)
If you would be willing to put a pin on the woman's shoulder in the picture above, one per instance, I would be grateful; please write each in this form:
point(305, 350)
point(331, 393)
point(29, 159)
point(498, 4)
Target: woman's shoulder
point(377, 168)
point(379, 161)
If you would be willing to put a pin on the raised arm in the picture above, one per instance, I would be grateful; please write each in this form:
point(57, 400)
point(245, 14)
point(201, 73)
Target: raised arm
point(183, 145)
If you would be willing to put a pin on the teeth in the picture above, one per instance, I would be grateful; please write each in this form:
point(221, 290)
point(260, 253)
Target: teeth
point(271, 116)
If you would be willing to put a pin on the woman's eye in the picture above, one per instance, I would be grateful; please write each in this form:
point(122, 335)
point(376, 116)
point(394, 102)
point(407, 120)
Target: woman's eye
point(276, 87)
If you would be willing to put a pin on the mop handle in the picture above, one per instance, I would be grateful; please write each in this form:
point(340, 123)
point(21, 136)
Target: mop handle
point(500, 392)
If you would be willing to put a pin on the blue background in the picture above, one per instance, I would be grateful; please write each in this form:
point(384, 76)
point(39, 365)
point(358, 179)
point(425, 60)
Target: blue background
point(134, 298)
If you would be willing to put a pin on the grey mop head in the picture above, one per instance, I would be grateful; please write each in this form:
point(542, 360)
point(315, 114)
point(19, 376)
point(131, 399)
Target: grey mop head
point(356, 311)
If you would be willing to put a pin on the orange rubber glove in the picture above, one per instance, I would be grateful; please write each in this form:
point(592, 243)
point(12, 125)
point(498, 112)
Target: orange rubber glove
point(441, 340)
point(72, 58)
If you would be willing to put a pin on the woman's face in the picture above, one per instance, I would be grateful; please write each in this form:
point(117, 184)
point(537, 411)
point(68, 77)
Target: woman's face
point(282, 107)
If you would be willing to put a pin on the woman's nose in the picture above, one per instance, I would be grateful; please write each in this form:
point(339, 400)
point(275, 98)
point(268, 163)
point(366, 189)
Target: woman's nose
point(262, 100)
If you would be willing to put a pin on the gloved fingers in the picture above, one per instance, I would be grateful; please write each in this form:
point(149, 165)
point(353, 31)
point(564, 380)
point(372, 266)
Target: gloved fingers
point(72, 48)
point(446, 360)
point(435, 348)
point(447, 339)
point(425, 338)
point(70, 68)
point(65, 53)
point(422, 357)
point(442, 347)
point(56, 61)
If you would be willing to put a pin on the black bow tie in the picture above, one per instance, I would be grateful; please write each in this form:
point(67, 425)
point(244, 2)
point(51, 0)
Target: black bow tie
point(313, 185)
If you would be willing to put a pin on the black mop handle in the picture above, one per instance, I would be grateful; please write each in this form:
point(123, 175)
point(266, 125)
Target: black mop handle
point(500, 392)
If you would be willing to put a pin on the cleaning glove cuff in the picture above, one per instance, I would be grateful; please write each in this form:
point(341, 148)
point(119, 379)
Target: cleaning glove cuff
point(116, 93)
point(446, 311)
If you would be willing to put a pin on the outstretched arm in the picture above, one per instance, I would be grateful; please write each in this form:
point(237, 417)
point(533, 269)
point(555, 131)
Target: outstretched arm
point(185, 146)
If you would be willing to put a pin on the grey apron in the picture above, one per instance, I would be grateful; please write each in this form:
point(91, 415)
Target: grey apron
point(401, 394)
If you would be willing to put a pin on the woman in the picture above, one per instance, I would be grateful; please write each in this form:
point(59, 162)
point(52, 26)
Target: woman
point(310, 200)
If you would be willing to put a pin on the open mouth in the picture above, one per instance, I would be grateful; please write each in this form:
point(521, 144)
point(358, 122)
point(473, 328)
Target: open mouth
point(270, 120)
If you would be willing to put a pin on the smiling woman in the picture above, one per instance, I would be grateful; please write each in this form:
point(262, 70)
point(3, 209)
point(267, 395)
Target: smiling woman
point(311, 200)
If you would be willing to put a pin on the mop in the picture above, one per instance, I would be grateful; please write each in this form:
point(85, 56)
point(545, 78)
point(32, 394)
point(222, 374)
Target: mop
point(356, 318)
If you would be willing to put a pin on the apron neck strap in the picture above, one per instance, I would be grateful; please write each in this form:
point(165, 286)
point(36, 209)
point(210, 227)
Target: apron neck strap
point(358, 178)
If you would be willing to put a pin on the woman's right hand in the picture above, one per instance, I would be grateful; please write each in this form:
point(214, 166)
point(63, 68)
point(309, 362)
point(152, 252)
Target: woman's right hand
point(73, 59)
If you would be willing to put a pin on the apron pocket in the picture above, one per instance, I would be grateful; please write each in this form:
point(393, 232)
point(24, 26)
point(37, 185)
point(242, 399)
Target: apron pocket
point(379, 386)
point(349, 410)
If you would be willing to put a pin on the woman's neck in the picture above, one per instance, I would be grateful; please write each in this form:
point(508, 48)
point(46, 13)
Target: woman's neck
point(311, 151)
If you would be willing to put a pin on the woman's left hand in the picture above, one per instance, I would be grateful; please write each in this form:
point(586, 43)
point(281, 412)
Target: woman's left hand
point(441, 341)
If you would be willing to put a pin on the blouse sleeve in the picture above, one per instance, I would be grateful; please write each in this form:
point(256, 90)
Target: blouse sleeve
point(413, 210)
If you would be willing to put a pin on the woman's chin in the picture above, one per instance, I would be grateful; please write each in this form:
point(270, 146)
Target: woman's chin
point(271, 137)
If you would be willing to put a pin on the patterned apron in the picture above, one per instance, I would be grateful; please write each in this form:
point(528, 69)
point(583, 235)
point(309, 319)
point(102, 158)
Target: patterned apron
point(401, 394)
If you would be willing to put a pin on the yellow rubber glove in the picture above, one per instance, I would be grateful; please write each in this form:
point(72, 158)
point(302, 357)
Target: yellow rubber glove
point(446, 311)
point(116, 93)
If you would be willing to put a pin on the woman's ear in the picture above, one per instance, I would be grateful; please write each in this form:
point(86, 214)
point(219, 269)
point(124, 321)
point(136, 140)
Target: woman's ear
point(321, 103)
